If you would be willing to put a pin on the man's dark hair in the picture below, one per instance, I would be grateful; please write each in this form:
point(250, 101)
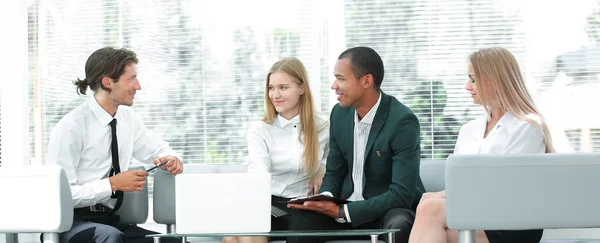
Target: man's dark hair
point(363, 61)
point(106, 62)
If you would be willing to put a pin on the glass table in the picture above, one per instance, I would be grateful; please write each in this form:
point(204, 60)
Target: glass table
point(373, 233)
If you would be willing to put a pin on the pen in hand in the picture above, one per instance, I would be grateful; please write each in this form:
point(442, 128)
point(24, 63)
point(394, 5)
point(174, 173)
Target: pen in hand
point(159, 165)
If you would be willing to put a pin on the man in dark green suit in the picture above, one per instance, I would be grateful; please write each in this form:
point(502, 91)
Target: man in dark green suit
point(374, 156)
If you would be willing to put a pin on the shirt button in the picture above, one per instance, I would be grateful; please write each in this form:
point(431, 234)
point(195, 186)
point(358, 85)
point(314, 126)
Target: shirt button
point(295, 126)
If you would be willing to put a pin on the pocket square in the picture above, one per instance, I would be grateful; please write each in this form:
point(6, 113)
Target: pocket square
point(378, 154)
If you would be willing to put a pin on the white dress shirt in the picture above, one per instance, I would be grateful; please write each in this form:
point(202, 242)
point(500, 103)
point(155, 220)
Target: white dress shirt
point(80, 143)
point(362, 128)
point(510, 136)
point(276, 149)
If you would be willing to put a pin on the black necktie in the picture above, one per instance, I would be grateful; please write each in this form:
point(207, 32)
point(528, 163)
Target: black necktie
point(116, 168)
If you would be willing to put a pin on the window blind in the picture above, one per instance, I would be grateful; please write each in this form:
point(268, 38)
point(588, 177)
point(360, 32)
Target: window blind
point(203, 63)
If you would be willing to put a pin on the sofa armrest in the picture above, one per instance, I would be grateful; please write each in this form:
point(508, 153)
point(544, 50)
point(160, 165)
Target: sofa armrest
point(37, 199)
point(514, 192)
point(432, 174)
point(134, 209)
point(163, 198)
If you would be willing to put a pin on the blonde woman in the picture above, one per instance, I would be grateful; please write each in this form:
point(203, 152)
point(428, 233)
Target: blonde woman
point(512, 125)
point(291, 141)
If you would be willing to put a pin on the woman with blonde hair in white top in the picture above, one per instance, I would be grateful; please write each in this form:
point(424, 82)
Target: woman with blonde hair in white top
point(512, 125)
point(290, 142)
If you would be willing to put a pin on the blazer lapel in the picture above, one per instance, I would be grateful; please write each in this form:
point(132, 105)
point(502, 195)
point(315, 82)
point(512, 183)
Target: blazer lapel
point(350, 135)
point(378, 122)
point(375, 128)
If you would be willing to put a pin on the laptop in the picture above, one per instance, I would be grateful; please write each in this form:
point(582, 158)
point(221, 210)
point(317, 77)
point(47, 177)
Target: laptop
point(223, 203)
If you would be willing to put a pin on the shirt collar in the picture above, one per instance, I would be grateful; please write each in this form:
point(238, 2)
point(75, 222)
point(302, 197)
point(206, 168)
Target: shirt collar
point(103, 117)
point(284, 122)
point(505, 121)
point(370, 115)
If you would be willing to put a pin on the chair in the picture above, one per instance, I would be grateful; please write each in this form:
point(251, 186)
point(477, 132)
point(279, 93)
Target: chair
point(519, 192)
point(44, 203)
point(134, 209)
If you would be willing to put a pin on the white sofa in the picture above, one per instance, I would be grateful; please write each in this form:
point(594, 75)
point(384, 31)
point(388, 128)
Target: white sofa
point(35, 199)
point(555, 192)
point(44, 203)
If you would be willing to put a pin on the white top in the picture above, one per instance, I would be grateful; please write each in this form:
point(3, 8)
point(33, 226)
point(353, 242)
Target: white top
point(80, 143)
point(276, 149)
point(510, 136)
point(362, 128)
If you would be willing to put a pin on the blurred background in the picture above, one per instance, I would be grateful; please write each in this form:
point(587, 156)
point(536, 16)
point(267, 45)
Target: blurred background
point(203, 64)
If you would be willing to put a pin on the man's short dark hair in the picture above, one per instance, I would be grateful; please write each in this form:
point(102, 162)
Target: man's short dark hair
point(106, 62)
point(363, 61)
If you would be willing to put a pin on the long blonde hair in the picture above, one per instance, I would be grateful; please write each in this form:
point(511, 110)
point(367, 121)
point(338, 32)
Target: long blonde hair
point(308, 134)
point(500, 67)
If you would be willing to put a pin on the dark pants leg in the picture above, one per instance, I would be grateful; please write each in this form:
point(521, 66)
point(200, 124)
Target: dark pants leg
point(309, 220)
point(86, 232)
point(281, 222)
point(514, 236)
point(134, 234)
point(398, 218)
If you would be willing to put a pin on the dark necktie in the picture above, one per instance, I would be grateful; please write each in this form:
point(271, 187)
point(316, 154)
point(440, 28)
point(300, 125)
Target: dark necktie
point(116, 168)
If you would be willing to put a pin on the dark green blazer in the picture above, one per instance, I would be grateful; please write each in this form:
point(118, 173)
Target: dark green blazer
point(391, 169)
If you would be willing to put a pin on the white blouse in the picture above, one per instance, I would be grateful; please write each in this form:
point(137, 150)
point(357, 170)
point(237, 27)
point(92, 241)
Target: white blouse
point(510, 136)
point(276, 149)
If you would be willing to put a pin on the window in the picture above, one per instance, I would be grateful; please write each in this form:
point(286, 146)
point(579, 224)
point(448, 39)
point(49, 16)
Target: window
point(203, 63)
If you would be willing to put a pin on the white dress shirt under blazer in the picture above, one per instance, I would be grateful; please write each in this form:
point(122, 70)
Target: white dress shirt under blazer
point(510, 136)
point(80, 143)
point(276, 149)
point(362, 129)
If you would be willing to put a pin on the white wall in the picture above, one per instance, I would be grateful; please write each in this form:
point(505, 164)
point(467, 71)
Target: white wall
point(13, 84)
point(13, 90)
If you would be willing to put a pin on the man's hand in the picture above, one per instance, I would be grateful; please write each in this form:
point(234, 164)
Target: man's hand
point(323, 207)
point(429, 195)
point(127, 181)
point(173, 166)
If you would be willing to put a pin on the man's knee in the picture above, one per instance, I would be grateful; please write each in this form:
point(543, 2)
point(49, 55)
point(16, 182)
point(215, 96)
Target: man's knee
point(92, 232)
point(398, 218)
point(107, 233)
point(302, 219)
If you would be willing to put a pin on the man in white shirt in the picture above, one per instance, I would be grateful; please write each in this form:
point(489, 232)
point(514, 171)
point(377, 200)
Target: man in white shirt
point(374, 156)
point(95, 144)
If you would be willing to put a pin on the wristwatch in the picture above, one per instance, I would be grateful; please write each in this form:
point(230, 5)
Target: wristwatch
point(340, 219)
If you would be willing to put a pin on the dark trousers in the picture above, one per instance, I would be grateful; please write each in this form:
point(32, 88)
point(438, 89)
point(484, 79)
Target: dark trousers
point(86, 232)
point(100, 227)
point(514, 236)
point(397, 218)
point(283, 222)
